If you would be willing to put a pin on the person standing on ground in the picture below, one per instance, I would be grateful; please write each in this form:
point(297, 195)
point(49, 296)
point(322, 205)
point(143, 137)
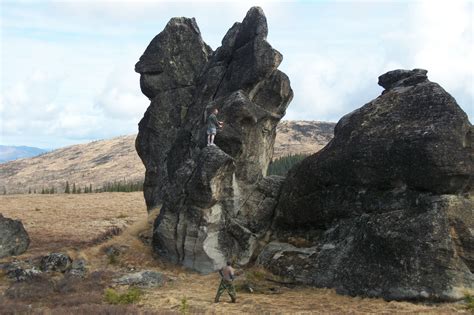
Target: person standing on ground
point(227, 277)
point(212, 124)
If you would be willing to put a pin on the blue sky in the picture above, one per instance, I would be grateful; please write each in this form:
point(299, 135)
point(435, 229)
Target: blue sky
point(67, 66)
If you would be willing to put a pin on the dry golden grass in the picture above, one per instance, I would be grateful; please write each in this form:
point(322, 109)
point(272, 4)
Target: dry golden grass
point(67, 222)
point(72, 223)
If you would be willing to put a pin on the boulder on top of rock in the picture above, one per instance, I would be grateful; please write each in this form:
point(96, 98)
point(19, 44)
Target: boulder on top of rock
point(14, 239)
point(390, 199)
point(210, 196)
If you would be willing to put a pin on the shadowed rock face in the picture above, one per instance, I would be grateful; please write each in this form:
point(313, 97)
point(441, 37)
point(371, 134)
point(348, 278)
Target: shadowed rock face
point(389, 200)
point(13, 237)
point(215, 202)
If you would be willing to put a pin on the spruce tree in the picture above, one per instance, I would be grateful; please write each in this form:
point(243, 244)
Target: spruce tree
point(74, 188)
point(66, 191)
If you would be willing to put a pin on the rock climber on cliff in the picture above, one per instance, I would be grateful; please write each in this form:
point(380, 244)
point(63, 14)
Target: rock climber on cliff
point(227, 277)
point(212, 125)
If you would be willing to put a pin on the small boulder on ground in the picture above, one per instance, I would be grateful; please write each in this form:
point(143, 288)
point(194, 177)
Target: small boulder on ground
point(55, 262)
point(14, 239)
point(78, 268)
point(144, 278)
point(20, 270)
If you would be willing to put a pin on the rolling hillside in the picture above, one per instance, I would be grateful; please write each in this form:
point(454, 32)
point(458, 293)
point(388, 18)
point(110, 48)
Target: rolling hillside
point(115, 159)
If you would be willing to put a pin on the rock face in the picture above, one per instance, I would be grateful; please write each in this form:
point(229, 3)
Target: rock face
point(388, 207)
point(215, 202)
point(13, 237)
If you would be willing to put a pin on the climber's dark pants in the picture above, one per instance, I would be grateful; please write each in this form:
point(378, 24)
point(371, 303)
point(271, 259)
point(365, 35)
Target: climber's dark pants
point(223, 286)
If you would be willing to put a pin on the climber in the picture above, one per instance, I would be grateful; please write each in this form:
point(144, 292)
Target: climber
point(227, 276)
point(212, 124)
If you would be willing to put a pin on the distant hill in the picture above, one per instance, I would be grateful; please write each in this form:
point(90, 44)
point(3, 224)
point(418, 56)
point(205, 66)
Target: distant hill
point(10, 153)
point(115, 159)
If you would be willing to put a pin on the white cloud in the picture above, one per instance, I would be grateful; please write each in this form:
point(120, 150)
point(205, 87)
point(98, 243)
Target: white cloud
point(121, 97)
point(32, 97)
point(327, 86)
point(67, 66)
point(435, 35)
point(444, 44)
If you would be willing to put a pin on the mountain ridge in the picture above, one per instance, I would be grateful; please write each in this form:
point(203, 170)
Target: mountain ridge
point(13, 152)
point(103, 161)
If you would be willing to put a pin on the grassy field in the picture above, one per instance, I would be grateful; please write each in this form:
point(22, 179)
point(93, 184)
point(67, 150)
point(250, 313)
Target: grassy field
point(84, 225)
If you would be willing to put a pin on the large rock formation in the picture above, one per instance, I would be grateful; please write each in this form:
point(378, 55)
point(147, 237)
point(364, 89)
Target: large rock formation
point(388, 208)
point(13, 237)
point(215, 202)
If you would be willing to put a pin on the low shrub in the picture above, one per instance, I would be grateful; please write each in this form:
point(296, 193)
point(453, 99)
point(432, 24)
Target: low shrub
point(132, 295)
point(184, 308)
point(469, 301)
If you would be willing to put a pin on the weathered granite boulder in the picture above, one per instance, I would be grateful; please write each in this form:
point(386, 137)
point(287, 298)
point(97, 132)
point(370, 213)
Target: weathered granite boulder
point(14, 239)
point(215, 202)
point(390, 199)
point(55, 262)
point(20, 270)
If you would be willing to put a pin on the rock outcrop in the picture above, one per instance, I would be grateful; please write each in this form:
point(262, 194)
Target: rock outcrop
point(215, 202)
point(388, 209)
point(14, 239)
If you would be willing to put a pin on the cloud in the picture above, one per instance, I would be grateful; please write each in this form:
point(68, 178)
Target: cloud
point(327, 86)
point(121, 97)
point(335, 78)
point(67, 66)
point(28, 106)
point(443, 43)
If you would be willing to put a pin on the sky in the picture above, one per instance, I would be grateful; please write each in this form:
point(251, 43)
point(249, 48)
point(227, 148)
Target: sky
point(67, 67)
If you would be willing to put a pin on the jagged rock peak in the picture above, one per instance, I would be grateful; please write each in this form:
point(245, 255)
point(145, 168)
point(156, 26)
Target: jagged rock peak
point(215, 202)
point(253, 25)
point(400, 77)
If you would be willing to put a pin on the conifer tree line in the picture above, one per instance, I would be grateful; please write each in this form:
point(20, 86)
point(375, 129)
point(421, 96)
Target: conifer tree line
point(282, 165)
point(115, 186)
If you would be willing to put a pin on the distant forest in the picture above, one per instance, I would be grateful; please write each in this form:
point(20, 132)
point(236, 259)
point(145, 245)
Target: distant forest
point(282, 165)
point(116, 186)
